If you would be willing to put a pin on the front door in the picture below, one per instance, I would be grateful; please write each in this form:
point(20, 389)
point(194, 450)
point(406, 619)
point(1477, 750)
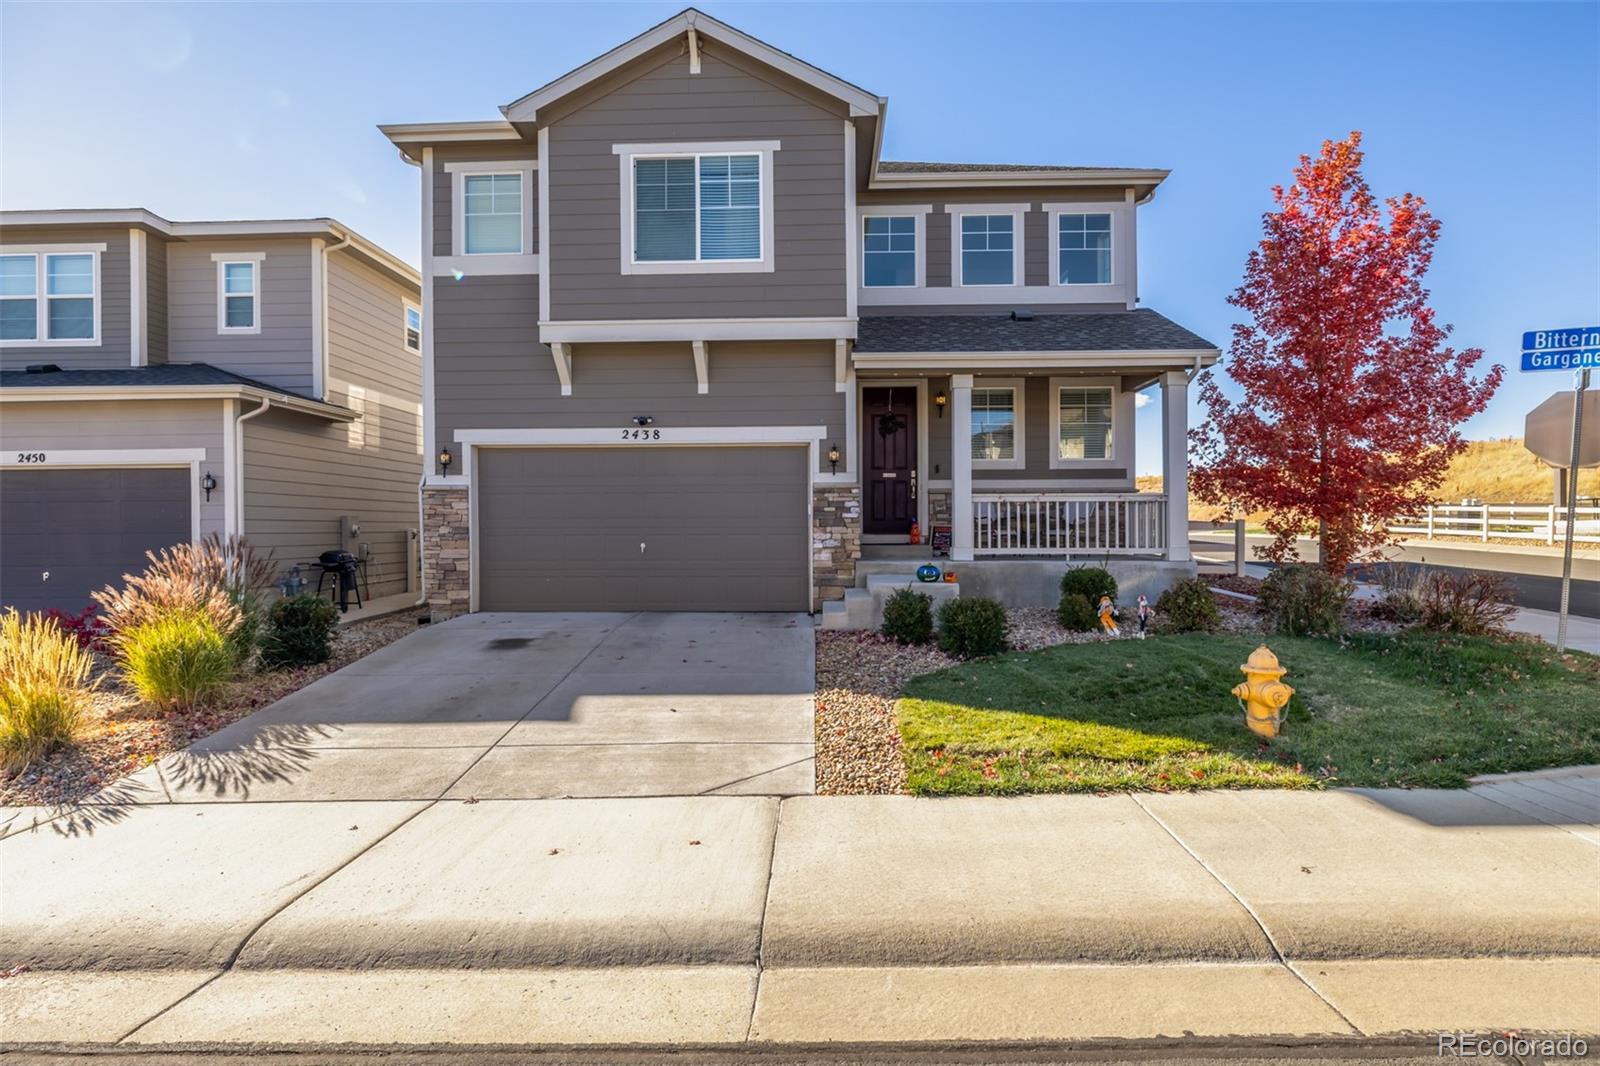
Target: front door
point(889, 440)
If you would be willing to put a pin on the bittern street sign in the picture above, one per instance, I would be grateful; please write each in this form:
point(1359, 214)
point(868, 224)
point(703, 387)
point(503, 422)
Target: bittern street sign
point(1561, 349)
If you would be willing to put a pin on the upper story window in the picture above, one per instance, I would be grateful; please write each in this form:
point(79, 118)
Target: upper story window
point(989, 245)
point(997, 424)
point(889, 251)
point(413, 327)
point(491, 213)
point(1084, 422)
point(238, 291)
point(1084, 256)
point(697, 208)
point(50, 297)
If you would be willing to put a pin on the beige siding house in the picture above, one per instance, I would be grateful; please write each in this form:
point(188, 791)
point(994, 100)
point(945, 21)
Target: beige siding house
point(161, 381)
point(690, 341)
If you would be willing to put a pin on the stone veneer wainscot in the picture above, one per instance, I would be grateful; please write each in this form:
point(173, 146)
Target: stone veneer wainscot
point(447, 550)
point(835, 541)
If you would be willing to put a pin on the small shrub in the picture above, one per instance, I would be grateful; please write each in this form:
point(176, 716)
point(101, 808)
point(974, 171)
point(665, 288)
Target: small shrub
point(1189, 607)
point(1076, 613)
point(1472, 602)
point(1400, 598)
point(1302, 599)
point(84, 627)
point(45, 687)
point(1090, 582)
point(177, 661)
point(908, 617)
point(300, 632)
point(971, 627)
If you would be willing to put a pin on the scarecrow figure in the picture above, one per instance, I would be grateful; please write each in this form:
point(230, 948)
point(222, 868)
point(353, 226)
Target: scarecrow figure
point(1145, 612)
point(1108, 617)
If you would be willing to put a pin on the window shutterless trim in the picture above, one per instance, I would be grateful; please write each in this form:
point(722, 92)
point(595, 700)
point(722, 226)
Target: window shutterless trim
point(1019, 406)
point(1019, 218)
point(518, 262)
point(41, 297)
point(628, 154)
point(919, 213)
point(407, 307)
point(1122, 216)
point(1110, 460)
point(224, 260)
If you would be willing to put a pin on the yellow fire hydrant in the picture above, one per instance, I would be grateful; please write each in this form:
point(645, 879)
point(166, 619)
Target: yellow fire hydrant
point(1262, 695)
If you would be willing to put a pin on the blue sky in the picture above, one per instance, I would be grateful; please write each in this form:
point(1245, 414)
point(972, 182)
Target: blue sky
point(1490, 111)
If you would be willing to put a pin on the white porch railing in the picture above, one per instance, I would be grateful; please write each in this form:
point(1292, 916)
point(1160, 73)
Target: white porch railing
point(1538, 522)
point(1058, 524)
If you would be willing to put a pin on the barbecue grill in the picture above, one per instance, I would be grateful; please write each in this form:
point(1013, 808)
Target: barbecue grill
point(343, 567)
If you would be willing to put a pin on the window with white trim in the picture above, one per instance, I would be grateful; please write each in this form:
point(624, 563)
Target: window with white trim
point(413, 327)
point(986, 250)
point(68, 285)
point(697, 208)
point(238, 296)
point(1084, 249)
point(1085, 420)
point(491, 213)
point(889, 251)
point(994, 424)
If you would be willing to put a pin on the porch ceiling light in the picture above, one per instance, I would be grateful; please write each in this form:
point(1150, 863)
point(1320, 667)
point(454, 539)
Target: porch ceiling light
point(833, 458)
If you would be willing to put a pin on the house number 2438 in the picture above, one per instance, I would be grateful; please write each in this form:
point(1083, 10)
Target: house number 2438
point(641, 434)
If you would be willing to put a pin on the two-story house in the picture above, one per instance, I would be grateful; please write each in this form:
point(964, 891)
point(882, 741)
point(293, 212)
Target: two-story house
point(160, 381)
point(690, 343)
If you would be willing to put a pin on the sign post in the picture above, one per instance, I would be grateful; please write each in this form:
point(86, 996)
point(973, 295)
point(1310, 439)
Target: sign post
point(1577, 350)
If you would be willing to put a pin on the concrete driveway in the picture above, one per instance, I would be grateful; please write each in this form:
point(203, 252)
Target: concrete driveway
point(528, 706)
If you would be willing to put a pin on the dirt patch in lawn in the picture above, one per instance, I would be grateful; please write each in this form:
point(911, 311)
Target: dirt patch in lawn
point(124, 734)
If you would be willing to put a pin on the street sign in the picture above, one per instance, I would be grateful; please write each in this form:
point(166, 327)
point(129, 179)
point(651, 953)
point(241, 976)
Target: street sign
point(1547, 432)
point(1561, 349)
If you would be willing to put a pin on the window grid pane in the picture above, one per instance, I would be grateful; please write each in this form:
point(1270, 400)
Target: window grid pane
point(18, 275)
point(1085, 424)
point(492, 214)
point(71, 319)
point(663, 227)
point(994, 431)
point(239, 312)
point(239, 278)
point(986, 246)
point(19, 320)
point(1085, 250)
point(730, 207)
point(69, 275)
point(889, 255)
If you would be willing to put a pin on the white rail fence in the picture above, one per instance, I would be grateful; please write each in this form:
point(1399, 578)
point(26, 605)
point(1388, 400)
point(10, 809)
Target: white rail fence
point(1054, 524)
point(1538, 522)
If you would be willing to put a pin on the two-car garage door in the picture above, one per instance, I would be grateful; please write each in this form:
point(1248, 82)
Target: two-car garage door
point(67, 532)
point(645, 527)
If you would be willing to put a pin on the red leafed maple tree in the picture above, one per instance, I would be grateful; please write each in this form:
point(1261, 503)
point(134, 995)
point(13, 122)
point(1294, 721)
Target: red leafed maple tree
point(1351, 398)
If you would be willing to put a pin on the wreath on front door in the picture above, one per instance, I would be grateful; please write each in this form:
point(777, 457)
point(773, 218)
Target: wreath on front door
point(890, 424)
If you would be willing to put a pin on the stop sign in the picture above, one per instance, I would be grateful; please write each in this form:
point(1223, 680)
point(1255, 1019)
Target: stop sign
point(1548, 433)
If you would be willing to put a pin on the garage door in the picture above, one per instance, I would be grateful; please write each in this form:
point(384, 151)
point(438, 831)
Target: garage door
point(66, 533)
point(649, 528)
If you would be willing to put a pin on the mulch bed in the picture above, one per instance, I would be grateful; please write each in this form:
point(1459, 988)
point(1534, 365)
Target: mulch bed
point(124, 734)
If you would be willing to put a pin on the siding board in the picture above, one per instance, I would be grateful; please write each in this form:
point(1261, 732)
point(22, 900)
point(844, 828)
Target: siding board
point(115, 349)
point(281, 353)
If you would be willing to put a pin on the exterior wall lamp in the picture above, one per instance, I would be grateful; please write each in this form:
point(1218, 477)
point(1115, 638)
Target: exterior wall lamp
point(939, 400)
point(445, 459)
point(209, 483)
point(833, 458)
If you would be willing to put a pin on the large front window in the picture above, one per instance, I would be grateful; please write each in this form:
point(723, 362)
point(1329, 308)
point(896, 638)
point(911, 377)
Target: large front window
point(491, 214)
point(889, 251)
point(704, 208)
point(994, 424)
point(65, 282)
point(986, 250)
point(1085, 250)
point(1085, 419)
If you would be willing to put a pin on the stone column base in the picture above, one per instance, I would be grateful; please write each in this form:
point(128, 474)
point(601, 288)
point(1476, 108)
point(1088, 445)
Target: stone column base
point(446, 550)
point(835, 541)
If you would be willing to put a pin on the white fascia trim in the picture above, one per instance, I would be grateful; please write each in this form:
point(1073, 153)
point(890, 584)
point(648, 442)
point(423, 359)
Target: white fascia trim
point(1097, 360)
point(47, 394)
point(543, 178)
point(892, 294)
point(222, 259)
point(41, 297)
point(57, 457)
point(765, 150)
point(238, 257)
point(1019, 222)
point(527, 170)
point(1054, 400)
point(604, 436)
point(138, 289)
point(485, 265)
point(526, 108)
point(698, 329)
point(429, 435)
point(1000, 179)
point(1019, 410)
point(411, 133)
point(1120, 288)
point(852, 224)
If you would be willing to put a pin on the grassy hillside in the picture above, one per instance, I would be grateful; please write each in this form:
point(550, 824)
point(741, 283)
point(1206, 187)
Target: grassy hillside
point(1494, 471)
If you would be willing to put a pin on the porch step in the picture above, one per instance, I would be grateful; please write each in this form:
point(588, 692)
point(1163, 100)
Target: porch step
point(862, 608)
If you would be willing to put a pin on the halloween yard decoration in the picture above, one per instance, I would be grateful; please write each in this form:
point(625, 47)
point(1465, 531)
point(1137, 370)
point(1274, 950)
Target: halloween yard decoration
point(1108, 617)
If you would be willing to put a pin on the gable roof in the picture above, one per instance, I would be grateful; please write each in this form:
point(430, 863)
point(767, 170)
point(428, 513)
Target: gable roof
point(526, 109)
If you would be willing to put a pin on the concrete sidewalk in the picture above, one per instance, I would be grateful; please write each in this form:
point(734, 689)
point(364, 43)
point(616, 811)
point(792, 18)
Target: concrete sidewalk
point(734, 920)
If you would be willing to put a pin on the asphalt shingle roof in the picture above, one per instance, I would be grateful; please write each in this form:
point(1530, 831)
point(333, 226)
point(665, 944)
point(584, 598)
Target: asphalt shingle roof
point(157, 375)
point(1139, 330)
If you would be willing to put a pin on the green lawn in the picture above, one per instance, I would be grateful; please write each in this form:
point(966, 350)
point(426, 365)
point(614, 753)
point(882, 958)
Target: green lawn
point(1418, 709)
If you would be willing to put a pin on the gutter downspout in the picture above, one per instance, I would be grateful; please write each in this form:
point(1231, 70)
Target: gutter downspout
point(427, 460)
point(238, 459)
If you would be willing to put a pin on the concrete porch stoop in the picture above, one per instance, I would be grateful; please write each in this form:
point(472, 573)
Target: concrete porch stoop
point(862, 608)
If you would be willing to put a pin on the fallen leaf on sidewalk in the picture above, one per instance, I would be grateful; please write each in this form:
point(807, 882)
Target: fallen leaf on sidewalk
point(694, 843)
point(16, 971)
point(470, 799)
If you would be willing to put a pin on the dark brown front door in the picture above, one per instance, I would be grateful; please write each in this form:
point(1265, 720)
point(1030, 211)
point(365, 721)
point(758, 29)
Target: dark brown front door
point(889, 438)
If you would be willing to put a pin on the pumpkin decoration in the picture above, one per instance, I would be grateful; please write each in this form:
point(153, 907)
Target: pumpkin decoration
point(927, 572)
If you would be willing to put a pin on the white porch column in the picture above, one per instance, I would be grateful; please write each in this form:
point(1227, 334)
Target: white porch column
point(1175, 461)
point(961, 467)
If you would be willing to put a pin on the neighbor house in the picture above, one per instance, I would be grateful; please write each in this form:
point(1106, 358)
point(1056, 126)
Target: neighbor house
point(689, 342)
point(160, 381)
